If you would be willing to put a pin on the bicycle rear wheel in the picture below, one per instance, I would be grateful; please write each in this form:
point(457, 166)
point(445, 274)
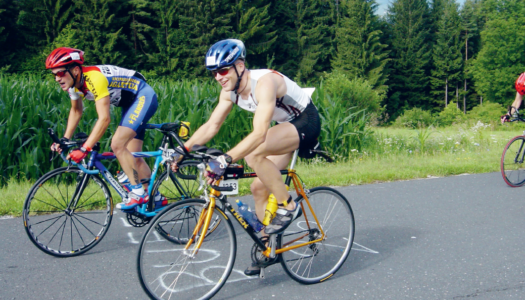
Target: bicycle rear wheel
point(55, 224)
point(167, 271)
point(318, 261)
point(512, 166)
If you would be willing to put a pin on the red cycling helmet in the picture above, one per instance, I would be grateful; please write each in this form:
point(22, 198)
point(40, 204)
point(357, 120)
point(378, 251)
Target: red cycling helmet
point(520, 84)
point(64, 56)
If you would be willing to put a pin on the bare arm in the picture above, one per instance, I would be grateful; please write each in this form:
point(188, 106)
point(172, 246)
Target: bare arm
point(102, 124)
point(517, 102)
point(266, 94)
point(75, 113)
point(209, 129)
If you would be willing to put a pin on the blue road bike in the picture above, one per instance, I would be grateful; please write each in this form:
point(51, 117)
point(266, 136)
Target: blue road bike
point(69, 210)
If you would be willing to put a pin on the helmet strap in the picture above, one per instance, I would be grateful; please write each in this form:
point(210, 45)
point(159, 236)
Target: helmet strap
point(239, 77)
point(74, 78)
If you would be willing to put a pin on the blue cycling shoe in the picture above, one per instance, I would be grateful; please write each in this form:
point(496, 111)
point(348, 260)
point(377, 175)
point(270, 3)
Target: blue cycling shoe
point(133, 200)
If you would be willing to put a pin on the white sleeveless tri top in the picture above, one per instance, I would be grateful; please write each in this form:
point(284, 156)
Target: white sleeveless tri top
point(287, 107)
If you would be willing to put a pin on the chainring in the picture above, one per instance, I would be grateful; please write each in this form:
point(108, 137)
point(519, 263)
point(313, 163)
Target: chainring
point(258, 256)
point(137, 220)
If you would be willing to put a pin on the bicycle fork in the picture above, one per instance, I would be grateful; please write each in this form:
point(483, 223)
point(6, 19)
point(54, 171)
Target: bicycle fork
point(202, 226)
point(76, 195)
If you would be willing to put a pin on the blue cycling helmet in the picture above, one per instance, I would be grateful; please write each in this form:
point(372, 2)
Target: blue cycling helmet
point(224, 54)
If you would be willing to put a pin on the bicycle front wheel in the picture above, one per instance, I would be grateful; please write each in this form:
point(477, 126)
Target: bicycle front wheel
point(319, 261)
point(169, 271)
point(512, 166)
point(180, 185)
point(67, 212)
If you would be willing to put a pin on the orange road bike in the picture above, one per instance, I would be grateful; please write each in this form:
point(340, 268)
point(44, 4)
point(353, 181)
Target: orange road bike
point(184, 263)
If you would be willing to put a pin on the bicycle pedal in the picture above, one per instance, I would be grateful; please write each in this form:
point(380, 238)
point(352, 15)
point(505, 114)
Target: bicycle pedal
point(261, 274)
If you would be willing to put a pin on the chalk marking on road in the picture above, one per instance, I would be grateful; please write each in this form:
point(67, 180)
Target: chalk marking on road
point(132, 239)
point(363, 248)
point(205, 281)
point(126, 224)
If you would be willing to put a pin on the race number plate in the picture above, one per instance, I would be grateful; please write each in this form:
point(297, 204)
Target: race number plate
point(230, 183)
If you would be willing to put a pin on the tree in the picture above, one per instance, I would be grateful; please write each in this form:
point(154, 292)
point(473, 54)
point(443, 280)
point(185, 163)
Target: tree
point(409, 40)
point(38, 25)
point(447, 56)
point(471, 40)
point(168, 38)
point(100, 29)
point(204, 23)
point(304, 38)
point(360, 52)
point(139, 27)
point(10, 37)
point(255, 27)
point(501, 58)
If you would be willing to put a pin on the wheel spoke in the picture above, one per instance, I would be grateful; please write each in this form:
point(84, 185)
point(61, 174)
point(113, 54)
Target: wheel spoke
point(87, 219)
point(54, 198)
point(79, 234)
point(54, 239)
point(59, 209)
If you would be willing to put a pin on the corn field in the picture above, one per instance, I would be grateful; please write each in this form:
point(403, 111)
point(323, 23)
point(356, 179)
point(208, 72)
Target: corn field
point(29, 105)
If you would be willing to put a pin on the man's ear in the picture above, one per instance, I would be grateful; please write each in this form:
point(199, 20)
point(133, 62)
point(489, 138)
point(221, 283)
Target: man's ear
point(241, 66)
point(76, 71)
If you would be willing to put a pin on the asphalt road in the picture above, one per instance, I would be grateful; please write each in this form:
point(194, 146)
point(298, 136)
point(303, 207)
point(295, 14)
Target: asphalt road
point(459, 237)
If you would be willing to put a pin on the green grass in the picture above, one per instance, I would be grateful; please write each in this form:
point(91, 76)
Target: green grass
point(389, 155)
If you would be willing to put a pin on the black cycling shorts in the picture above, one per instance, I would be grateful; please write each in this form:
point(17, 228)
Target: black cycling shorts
point(308, 126)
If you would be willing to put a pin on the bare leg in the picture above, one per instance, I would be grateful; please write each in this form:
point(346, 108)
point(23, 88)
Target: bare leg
point(142, 167)
point(280, 140)
point(119, 144)
point(259, 191)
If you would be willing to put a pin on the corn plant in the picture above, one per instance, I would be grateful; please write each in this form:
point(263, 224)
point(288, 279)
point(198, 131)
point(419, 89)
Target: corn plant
point(29, 105)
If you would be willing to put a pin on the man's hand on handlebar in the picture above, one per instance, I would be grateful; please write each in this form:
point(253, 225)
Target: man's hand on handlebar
point(505, 118)
point(216, 168)
point(176, 158)
point(55, 147)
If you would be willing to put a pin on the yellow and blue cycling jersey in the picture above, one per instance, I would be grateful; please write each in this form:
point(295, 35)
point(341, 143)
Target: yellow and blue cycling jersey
point(122, 85)
point(126, 89)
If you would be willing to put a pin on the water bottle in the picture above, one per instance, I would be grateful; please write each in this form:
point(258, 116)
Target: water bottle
point(249, 216)
point(124, 180)
point(271, 208)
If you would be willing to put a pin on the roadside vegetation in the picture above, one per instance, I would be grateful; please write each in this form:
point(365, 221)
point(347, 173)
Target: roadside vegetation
point(417, 144)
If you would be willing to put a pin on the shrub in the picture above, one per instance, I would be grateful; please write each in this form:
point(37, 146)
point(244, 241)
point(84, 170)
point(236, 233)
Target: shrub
point(356, 93)
point(414, 118)
point(486, 112)
point(451, 114)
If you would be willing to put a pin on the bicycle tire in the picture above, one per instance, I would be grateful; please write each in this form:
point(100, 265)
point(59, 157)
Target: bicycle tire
point(165, 269)
point(319, 261)
point(181, 185)
point(512, 166)
point(46, 205)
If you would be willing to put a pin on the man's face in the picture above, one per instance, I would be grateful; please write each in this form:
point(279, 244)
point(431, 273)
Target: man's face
point(227, 77)
point(63, 77)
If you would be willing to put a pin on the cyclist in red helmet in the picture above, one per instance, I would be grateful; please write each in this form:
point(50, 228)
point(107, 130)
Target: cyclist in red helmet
point(108, 85)
point(520, 91)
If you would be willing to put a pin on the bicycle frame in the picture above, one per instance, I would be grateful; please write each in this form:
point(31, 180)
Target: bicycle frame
point(95, 166)
point(206, 215)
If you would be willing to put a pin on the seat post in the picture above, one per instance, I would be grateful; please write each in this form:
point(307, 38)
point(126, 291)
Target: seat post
point(294, 159)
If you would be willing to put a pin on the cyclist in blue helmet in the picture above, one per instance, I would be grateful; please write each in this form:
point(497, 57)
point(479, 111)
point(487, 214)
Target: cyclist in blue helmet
point(271, 96)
